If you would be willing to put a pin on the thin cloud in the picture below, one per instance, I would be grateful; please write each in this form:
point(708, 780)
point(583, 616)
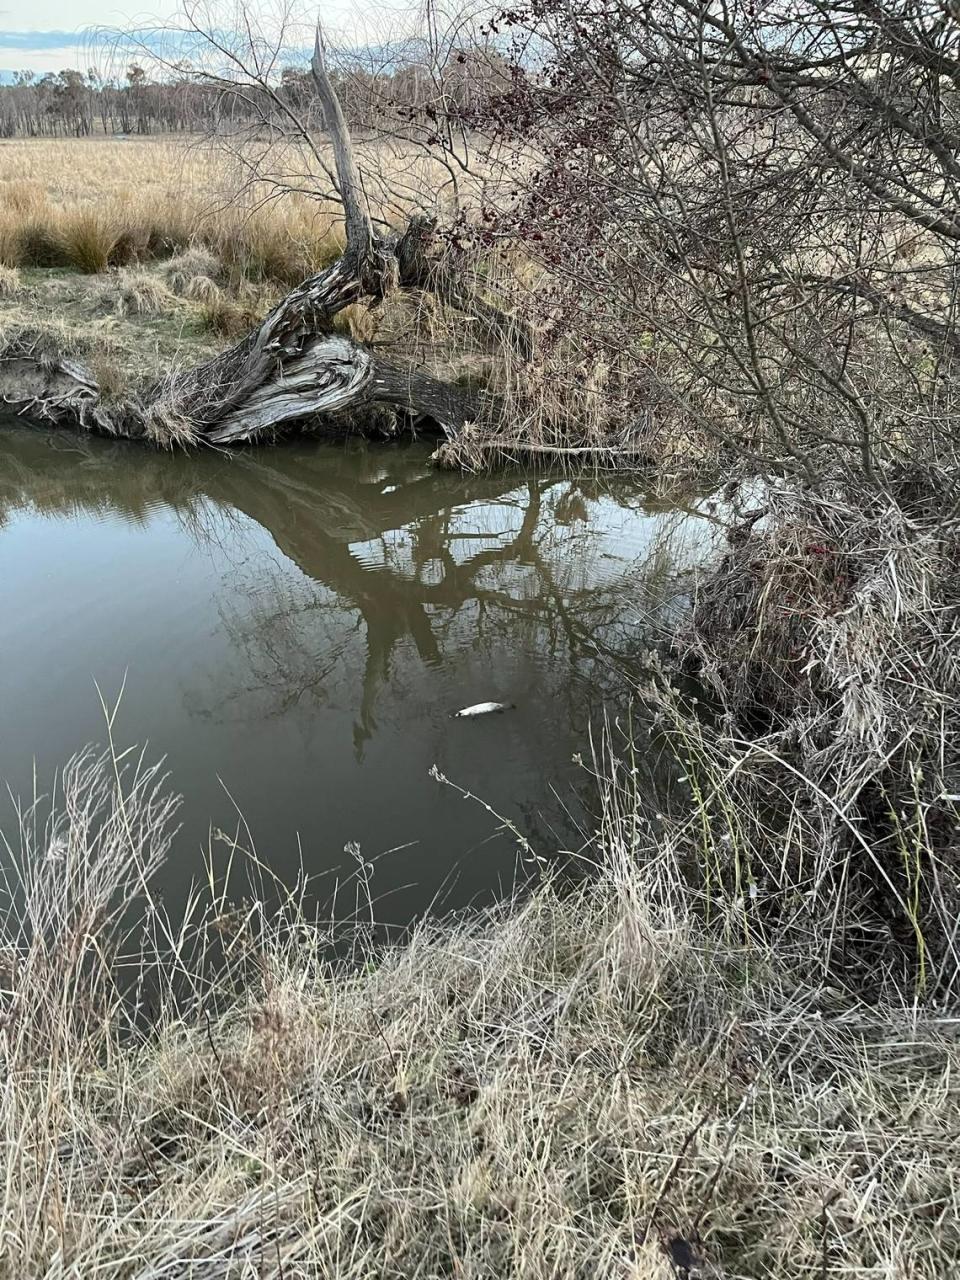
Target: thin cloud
point(30, 41)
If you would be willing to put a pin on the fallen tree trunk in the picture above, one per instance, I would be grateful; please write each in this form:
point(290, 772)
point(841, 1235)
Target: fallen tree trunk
point(291, 368)
point(294, 366)
point(467, 451)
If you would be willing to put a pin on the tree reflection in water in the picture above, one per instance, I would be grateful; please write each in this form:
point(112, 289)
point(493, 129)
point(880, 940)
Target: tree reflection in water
point(356, 597)
point(412, 567)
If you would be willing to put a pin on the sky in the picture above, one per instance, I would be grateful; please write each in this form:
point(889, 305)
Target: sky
point(50, 35)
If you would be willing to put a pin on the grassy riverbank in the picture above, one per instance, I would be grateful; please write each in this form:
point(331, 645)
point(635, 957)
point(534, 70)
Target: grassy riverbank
point(728, 1052)
point(143, 256)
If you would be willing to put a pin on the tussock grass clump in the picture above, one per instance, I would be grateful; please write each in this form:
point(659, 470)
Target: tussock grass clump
point(201, 289)
point(39, 243)
point(193, 273)
point(275, 245)
point(588, 1083)
point(140, 294)
point(227, 318)
point(131, 245)
point(9, 281)
point(89, 239)
point(166, 429)
point(9, 240)
point(269, 246)
point(111, 378)
point(168, 225)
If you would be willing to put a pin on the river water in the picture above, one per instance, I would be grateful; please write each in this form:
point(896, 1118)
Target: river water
point(292, 627)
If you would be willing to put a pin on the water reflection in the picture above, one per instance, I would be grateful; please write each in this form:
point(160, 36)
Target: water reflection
point(341, 603)
point(429, 569)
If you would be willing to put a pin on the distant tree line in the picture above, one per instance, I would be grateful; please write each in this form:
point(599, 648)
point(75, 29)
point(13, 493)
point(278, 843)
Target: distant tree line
point(74, 103)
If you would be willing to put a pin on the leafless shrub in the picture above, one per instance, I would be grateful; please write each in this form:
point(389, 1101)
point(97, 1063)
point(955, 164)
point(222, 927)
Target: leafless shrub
point(749, 211)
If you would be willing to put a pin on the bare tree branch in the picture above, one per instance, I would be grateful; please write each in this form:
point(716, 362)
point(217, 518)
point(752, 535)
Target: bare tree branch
point(357, 218)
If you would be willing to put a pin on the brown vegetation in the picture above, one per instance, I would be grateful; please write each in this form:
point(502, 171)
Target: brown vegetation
point(595, 1081)
point(828, 638)
point(88, 205)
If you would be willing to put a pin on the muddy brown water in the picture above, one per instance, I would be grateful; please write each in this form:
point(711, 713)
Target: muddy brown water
point(293, 627)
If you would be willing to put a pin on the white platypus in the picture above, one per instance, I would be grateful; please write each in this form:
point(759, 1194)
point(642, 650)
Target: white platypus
point(482, 709)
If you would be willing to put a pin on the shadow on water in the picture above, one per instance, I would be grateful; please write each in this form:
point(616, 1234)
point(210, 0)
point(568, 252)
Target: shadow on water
point(295, 626)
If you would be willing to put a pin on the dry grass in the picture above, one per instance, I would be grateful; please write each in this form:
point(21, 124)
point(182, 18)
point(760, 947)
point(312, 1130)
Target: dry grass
point(201, 289)
point(828, 775)
point(281, 243)
point(90, 204)
point(103, 171)
point(141, 294)
point(9, 282)
point(129, 337)
point(86, 204)
point(90, 239)
point(227, 318)
point(193, 273)
point(284, 247)
point(593, 1082)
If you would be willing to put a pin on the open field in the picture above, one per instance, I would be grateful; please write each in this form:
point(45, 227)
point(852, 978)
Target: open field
point(104, 170)
point(92, 204)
